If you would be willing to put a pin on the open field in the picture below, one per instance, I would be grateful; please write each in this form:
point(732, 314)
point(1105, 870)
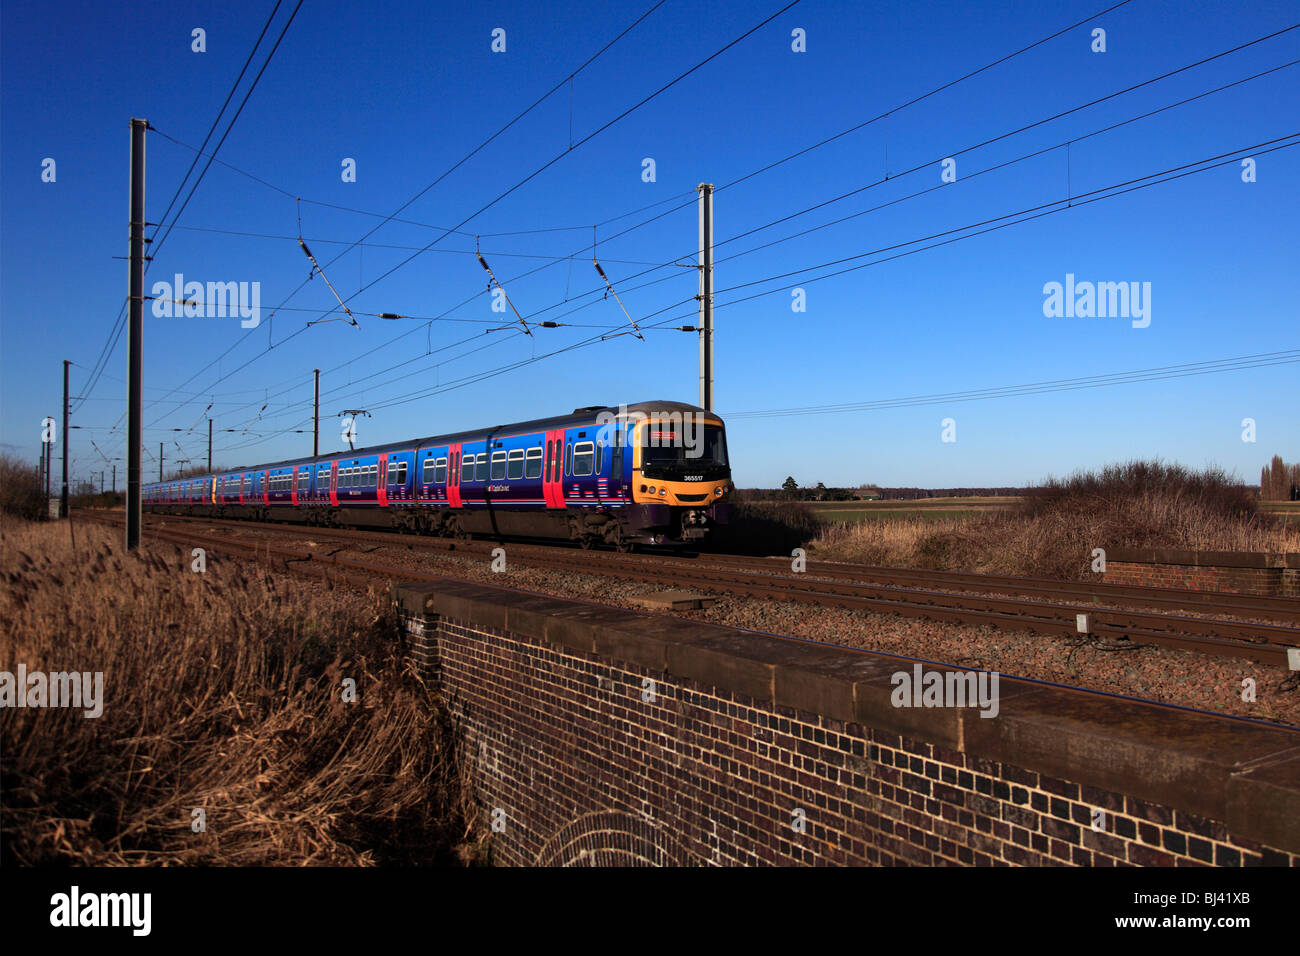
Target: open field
point(224, 692)
point(1286, 511)
point(927, 509)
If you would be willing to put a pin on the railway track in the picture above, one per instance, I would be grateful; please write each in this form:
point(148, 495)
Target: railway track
point(1248, 627)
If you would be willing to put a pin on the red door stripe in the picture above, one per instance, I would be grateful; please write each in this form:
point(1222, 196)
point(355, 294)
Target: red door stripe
point(453, 476)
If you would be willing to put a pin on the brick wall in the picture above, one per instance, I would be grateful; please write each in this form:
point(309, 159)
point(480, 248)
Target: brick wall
point(1233, 571)
point(599, 736)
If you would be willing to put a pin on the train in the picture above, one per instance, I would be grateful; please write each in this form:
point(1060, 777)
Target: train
point(648, 473)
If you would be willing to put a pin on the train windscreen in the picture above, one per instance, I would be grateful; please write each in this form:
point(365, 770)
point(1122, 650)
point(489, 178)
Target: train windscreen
point(681, 445)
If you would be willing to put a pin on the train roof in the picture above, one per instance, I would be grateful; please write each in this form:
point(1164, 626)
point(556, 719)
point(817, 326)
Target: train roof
point(536, 424)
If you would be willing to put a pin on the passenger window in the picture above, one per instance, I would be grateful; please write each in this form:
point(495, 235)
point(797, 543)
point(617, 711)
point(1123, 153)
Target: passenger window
point(600, 456)
point(498, 465)
point(516, 469)
point(481, 472)
point(467, 469)
point(533, 463)
point(568, 458)
point(583, 453)
point(440, 471)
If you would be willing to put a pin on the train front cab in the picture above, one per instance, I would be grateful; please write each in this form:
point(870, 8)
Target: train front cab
point(681, 479)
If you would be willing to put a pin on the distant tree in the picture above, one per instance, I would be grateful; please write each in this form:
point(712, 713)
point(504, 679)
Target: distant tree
point(1278, 483)
point(1277, 478)
point(790, 487)
point(20, 488)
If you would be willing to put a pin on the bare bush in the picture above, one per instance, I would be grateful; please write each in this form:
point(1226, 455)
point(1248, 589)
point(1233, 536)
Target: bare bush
point(1059, 523)
point(21, 494)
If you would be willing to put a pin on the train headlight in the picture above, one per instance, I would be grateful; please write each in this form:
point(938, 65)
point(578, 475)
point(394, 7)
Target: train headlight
point(652, 489)
point(717, 491)
point(662, 492)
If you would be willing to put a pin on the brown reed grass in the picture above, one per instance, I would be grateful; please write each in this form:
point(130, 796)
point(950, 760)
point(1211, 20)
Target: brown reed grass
point(222, 692)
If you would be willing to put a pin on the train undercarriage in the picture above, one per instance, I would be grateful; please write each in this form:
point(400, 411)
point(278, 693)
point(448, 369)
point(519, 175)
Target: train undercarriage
point(652, 524)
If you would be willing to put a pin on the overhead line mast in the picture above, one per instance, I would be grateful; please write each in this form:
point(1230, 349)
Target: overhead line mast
point(706, 296)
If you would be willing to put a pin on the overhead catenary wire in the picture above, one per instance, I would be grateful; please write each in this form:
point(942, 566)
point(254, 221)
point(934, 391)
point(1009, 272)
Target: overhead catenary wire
point(724, 290)
point(628, 111)
point(930, 163)
point(109, 346)
point(438, 180)
point(620, 303)
point(1160, 373)
point(990, 225)
point(966, 178)
point(947, 85)
point(157, 243)
point(538, 171)
point(1105, 192)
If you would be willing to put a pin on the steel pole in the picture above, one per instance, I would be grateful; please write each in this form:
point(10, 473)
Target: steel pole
point(706, 296)
point(135, 341)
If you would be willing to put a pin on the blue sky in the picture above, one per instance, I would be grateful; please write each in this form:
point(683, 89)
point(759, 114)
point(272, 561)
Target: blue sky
point(408, 89)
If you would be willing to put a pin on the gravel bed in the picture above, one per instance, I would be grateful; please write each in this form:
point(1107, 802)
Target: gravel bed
point(1185, 678)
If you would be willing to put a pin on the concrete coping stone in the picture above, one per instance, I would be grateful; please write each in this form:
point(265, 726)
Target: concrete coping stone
point(1204, 559)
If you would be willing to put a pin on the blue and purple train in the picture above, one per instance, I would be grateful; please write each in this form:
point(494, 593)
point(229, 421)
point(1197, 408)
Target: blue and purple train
point(648, 473)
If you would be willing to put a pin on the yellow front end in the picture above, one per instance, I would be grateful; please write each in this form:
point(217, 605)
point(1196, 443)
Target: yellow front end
point(686, 491)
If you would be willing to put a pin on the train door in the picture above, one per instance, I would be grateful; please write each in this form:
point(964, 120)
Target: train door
point(616, 465)
point(453, 476)
point(553, 469)
point(266, 487)
point(381, 486)
point(293, 488)
point(334, 483)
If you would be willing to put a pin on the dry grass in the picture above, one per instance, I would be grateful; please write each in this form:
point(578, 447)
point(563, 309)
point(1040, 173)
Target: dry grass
point(1053, 532)
point(222, 691)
